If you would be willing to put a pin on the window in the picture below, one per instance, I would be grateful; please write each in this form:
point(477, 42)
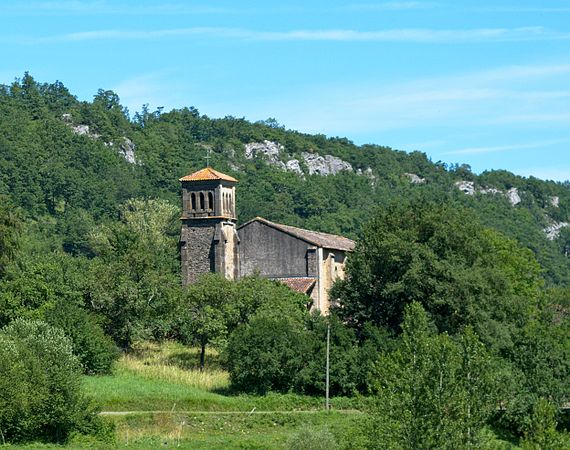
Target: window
point(201, 200)
point(210, 201)
point(193, 197)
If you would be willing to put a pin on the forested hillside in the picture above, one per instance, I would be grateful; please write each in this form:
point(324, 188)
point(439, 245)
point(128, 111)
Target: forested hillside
point(450, 329)
point(69, 164)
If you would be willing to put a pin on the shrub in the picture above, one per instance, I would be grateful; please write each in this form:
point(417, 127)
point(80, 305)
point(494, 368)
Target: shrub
point(40, 391)
point(96, 351)
point(266, 354)
point(311, 379)
point(309, 439)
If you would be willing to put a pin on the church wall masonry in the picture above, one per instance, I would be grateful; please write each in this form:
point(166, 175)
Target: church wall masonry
point(307, 261)
point(197, 250)
point(271, 253)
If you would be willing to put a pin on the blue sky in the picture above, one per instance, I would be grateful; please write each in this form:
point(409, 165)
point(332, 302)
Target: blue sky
point(485, 83)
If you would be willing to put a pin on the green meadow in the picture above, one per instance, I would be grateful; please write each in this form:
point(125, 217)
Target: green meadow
point(158, 398)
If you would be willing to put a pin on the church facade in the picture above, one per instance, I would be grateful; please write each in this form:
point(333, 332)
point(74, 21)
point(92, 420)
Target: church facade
point(210, 240)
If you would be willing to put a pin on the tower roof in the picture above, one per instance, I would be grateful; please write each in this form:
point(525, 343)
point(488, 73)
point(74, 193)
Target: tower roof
point(208, 174)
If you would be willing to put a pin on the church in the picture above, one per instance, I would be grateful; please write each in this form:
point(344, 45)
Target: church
point(211, 241)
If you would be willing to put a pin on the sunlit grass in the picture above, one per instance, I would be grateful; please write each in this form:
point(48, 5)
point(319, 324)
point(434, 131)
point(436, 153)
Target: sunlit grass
point(165, 377)
point(174, 363)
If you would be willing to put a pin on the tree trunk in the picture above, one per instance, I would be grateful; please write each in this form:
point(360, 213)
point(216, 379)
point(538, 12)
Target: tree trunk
point(202, 355)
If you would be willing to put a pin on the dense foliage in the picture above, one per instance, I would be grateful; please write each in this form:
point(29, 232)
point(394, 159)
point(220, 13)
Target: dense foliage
point(40, 393)
point(64, 159)
point(453, 315)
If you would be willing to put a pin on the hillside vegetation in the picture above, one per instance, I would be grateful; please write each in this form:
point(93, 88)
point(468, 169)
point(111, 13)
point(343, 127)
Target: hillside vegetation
point(71, 163)
point(449, 331)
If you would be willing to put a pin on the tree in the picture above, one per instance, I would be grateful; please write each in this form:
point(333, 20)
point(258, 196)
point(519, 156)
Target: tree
point(10, 225)
point(433, 391)
point(267, 353)
point(134, 282)
point(206, 312)
point(441, 256)
point(213, 307)
point(40, 385)
point(344, 362)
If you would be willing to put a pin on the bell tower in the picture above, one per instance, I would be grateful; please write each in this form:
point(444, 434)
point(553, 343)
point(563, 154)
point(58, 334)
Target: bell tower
point(208, 239)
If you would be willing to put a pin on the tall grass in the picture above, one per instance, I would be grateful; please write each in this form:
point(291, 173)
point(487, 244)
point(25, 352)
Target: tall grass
point(172, 362)
point(159, 377)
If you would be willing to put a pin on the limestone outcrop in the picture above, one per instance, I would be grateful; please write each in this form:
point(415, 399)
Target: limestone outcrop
point(325, 165)
point(553, 231)
point(274, 152)
point(469, 188)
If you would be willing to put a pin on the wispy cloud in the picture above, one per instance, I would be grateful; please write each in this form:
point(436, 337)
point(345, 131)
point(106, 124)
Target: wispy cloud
point(148, 88)
point(102, 7)
point(523, 9)
point(404, 35)
point(75, 7)
point(517, 96)
point(391, 6)
point(504, 148)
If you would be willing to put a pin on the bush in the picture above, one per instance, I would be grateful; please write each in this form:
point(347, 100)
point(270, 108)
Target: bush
point(40, 390)
point(309, 439)
point(344, 353)
point(266, 354)
point(96, 351)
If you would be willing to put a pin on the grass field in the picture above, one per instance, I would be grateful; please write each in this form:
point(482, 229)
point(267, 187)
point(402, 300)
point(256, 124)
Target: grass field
point(158, 398)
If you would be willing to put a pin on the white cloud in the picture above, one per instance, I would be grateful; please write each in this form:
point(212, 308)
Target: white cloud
point(149, 88)
point(503, 148)
point(546, 173)
point(390, 6)
point(409, 35)
point(75, 7)
point(518, 96)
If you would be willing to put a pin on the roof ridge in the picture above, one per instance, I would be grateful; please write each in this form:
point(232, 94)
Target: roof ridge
point(207, 173)
point(318, 238)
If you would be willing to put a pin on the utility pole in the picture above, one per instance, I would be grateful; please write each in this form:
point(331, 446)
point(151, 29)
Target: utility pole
point(327, 404)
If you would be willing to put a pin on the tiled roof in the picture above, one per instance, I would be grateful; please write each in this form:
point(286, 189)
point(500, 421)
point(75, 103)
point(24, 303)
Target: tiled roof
point(299, 284)
point(208, 174)
point(319, 239)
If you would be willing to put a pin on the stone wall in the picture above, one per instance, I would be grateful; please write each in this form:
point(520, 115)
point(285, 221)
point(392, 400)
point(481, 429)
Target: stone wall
point(197, 251)
point(270, 252)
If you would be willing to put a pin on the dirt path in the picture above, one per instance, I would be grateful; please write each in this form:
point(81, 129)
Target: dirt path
point(246, 413)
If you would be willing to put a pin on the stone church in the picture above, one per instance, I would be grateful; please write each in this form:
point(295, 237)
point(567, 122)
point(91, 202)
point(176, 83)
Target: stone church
point(307, 261)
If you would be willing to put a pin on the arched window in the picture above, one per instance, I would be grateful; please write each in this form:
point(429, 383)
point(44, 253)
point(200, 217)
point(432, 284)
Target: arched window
point(210, 201)
point(193, 198)
point(201, 200)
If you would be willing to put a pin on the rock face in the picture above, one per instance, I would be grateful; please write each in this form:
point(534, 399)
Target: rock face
point(325, 165)
point(294, 166)
point(467, 187)
point(269, 149)
point(513, 196)
point(83, 130)
point(490, 191)
point(127, 151)
point(553, 231)
point(555, 201)
point(126, 148)
point(415, 179)
point(317, 164)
